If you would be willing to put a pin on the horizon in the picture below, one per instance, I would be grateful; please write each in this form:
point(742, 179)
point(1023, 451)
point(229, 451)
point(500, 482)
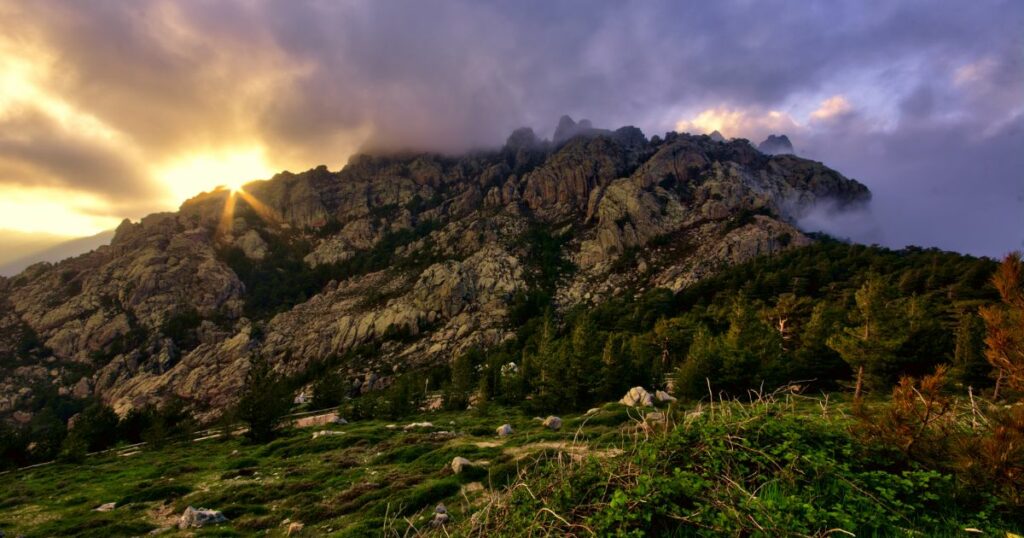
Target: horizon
point(111, 112)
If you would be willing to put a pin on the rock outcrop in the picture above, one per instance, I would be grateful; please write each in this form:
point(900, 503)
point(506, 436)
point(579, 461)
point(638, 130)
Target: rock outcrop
point(419, 255)
point(776, 145)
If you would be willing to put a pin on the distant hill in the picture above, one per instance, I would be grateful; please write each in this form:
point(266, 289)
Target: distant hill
point(28, 249)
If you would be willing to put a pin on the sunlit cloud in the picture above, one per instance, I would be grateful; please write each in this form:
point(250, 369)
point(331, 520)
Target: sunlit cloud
point(738, 122)
point(833, 107)
point(54, 211)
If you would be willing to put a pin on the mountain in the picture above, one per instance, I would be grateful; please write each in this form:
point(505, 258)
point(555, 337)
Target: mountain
point(393, 263)
point(776, 145)
point(52, 251)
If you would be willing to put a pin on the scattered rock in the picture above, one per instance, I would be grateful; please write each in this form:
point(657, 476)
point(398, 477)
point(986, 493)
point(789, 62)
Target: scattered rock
point(443, 435)
point(460, 464)
point(416, 425)
point(441, 517)
point(637, 397)
point(504, 430)
point(105, 507)
point(654, 418)
point(553, 423)
point(294, 528)
point(326, 433)
point(200, 517)
point(663, 397)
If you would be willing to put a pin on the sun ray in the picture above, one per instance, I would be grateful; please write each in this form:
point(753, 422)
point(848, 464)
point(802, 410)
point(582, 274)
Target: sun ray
point(265, 212)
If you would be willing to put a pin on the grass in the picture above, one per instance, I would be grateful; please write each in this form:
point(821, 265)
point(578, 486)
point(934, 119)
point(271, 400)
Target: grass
point(351, 484)
point(762, 469)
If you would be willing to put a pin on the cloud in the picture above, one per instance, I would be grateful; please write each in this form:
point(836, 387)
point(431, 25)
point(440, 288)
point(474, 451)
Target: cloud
point(898, 95)
point(736, 122)
point(833, 107)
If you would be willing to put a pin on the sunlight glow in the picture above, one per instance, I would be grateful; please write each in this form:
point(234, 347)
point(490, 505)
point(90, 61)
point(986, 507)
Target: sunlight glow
point(51, 210)
point(191, 175)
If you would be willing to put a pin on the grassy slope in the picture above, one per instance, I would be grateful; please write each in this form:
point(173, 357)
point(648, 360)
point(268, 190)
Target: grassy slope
point(785, 468)
point(353, 484)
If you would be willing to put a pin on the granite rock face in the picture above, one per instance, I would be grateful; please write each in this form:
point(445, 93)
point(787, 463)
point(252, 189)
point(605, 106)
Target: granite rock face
point(420, 255)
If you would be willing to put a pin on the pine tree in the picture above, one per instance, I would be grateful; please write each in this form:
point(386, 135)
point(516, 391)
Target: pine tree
point(750, 350)
point(784, 315)
point(870, 346)
point(264, 401)
point(614, 369)
point(970, 366)
point(814, 360)
point(700, 367)
point(583, 361)
point(1004, 324)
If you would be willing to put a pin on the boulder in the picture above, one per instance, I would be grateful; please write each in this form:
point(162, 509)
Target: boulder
point(637, 397)
point(199, 517)
point(553, 423)
point(294, 528)
point(663, 397)
point(418, 425)
point(460, 464)
point(326, 433)
point(105, 507)
point(504, 430)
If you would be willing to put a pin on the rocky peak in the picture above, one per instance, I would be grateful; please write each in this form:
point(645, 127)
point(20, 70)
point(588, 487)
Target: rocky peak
point(776, 145)
point(717, 136)
point(418, 253)
point(522, 138)
point(567, 129)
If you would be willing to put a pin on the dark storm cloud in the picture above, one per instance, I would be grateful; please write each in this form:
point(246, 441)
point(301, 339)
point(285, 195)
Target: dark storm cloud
point(934, 85)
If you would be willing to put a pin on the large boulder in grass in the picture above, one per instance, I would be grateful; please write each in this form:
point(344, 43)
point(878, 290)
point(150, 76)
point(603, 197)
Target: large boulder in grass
point(460, 464)
point(638, 397)
point(504, 430)
point(199, 517)
point(553, 423)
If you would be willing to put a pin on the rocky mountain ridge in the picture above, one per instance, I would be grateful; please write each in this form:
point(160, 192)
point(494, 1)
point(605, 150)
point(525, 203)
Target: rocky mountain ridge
point(392, 262)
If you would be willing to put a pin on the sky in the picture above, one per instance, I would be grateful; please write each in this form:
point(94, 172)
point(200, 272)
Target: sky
point(112, 109)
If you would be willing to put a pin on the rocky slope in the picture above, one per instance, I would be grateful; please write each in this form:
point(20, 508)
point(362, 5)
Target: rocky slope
point(392, 262)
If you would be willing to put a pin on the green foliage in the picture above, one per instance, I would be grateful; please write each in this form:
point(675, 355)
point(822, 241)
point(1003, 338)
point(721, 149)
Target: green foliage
point(96, 427)
point(748, 472)
point(329, 390)
point(872, 345)
point(264, 400)
point(970, 366)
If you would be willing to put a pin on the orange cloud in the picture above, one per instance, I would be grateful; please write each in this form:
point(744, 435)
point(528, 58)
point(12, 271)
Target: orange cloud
point(833, 107)
point(738, 122)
